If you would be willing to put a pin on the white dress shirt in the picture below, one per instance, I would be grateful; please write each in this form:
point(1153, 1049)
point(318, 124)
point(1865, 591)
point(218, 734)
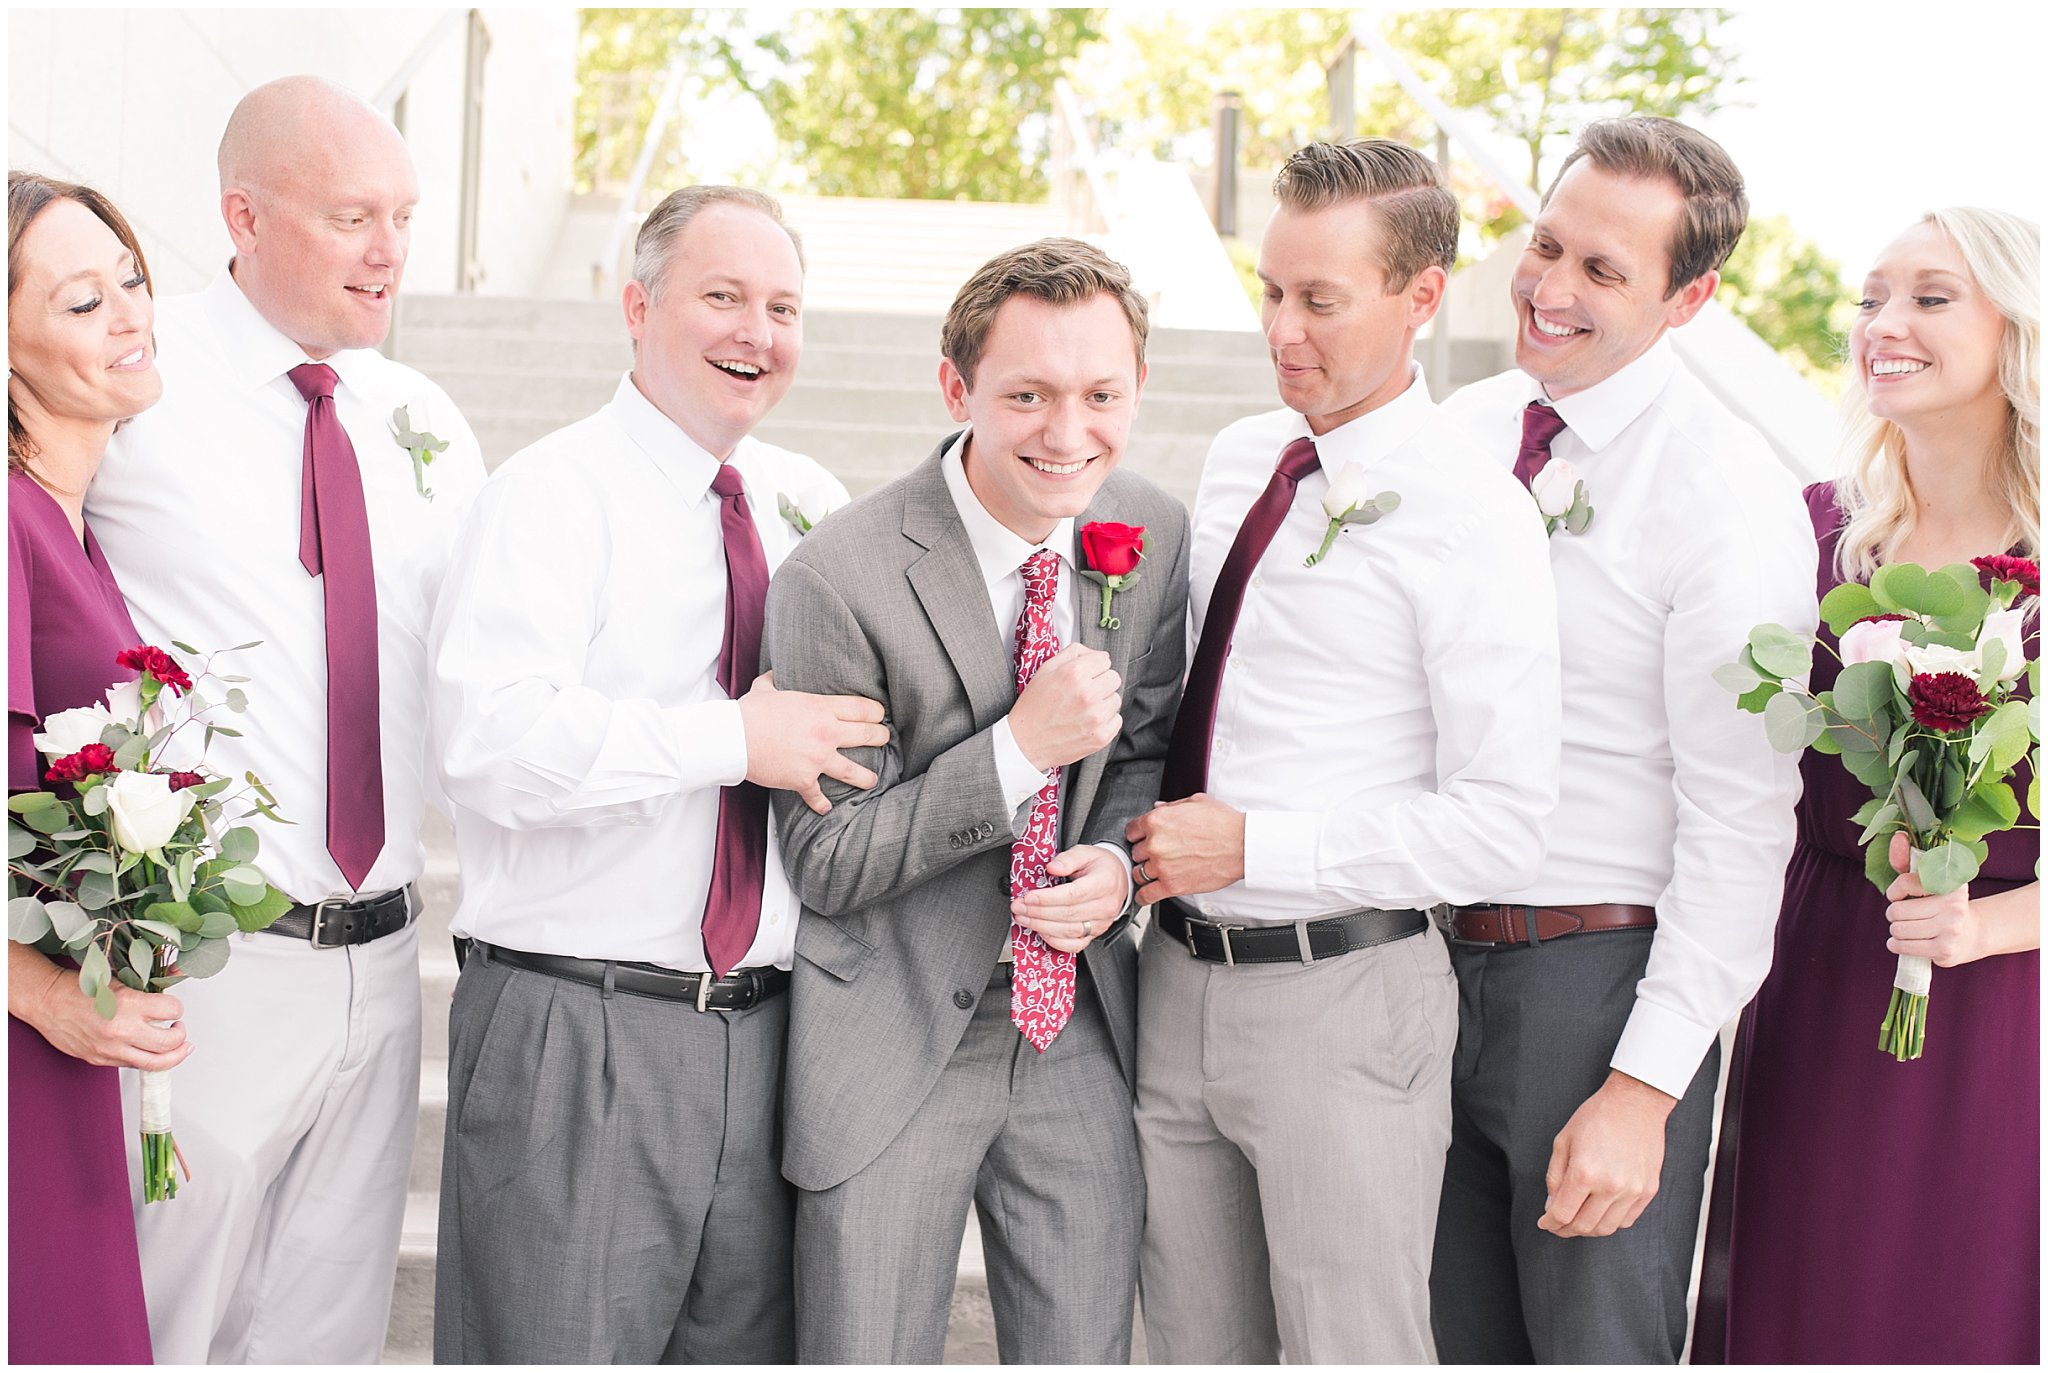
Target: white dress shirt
point(1671, 796)
point(1388, 718)
point(197, 507)
point(580, 727)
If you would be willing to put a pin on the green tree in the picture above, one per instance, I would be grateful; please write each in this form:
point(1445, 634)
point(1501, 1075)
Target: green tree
point(1541, 74)
point(926, 104)
point(1791, 294)
point(620, 60)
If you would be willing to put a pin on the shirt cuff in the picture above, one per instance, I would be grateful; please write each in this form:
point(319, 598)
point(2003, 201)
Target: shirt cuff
point(1662, 1048)
point(1123, 856)
point(1280, 850)
point(1014, 774)
point(715, 732)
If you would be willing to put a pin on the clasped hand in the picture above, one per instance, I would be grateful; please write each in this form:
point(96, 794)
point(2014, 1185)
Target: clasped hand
point(794, 738)
point(1074, 914)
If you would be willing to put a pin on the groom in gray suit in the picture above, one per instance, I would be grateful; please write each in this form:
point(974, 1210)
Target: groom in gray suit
point(963, 1016)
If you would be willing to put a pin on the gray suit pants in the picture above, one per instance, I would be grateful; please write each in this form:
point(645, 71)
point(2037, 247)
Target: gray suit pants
point(1042, 1144)
point(1536, 1029)
point(1293, 1119)
point(612, 1188)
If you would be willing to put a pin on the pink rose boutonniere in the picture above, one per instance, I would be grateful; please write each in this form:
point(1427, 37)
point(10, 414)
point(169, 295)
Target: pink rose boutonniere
point(1112, 552)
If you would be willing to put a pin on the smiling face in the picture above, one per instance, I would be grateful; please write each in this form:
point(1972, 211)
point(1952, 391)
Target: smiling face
point(321, 235)
point(78, 324)
point(1590, 289)
point(719, 349)
point(1339, 338)
point(1925, 341)
point(1054, 393)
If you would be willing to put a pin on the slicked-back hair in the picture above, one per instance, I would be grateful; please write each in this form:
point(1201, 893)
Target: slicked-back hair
point(28, 195)
point(1059, 271)
point(1651, 146)
point(1417, 213)
point(665, 224)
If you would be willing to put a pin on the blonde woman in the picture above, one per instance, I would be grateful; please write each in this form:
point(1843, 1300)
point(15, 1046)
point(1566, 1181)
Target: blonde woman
point(1866, 1210)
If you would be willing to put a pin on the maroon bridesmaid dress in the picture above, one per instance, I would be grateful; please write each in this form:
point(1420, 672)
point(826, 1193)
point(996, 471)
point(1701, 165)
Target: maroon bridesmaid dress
point(74, 1285)
point(1867, 1210)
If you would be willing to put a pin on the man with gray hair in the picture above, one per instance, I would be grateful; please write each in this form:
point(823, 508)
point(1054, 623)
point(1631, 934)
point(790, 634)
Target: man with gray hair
point(1369, 729)
point(271, 497)
point(611, 1190)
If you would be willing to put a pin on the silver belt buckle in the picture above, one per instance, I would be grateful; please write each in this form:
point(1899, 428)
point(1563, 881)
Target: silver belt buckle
point(1223, 932)
point(320, 921)
point(704, 980)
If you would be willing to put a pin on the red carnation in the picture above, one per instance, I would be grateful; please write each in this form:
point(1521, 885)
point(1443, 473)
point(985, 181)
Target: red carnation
point(76, 767)
point(1999, 567)
point(1946, 701)
point(182, 780)
point(1113, 549)
point(158, 664)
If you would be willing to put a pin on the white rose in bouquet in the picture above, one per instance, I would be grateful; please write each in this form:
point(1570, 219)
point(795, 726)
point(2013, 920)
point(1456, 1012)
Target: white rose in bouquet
point(68, 731)
point(146, 811)
point(1871, 641)
point(124, 701)
point(1935, 658)
point(1554, 488)
point(2006, 627)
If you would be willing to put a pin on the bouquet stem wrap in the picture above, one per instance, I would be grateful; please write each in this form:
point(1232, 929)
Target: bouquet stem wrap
point(1904, 1031)
point(159, 1151)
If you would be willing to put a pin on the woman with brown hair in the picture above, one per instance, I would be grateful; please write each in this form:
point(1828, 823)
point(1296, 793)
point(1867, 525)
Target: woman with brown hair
point(82, 359)
point(1868, 1210)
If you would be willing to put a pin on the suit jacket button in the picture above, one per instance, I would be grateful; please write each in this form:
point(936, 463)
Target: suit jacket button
point(963, 999)
point(954, 840)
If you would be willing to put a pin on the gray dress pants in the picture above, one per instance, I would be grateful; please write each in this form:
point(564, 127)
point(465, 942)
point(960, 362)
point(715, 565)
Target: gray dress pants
point(612, 1188)
point(1536, 1029)
point(1293, 1119)
point(1043, 1145)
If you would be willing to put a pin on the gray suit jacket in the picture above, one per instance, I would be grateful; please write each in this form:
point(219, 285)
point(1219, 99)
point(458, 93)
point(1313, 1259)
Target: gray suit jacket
point(905, 888)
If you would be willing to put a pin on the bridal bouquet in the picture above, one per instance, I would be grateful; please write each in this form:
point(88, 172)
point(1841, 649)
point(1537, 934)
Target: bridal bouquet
point(134, 869)
point(1925, 713)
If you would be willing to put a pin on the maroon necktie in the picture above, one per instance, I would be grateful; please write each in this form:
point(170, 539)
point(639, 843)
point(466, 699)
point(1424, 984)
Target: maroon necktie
point(334, 545)
point(1540, 424)
point(739, 861)
point(1041, 977)
point(1187, 756)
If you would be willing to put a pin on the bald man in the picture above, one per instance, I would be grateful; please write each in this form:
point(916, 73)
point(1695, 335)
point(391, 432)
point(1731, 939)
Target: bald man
point(274, 496)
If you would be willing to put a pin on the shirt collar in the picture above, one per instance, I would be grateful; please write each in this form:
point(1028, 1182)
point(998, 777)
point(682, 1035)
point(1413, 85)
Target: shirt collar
point(1599, 413)
point(256, 351)
point(678, 455)
point(997, 549)
point(1376, 433)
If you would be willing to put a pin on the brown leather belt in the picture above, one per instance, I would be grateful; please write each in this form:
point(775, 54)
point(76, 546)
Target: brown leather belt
point(1534, 925)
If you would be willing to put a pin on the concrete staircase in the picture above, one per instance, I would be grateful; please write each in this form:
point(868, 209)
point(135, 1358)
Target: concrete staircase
point(866, 398)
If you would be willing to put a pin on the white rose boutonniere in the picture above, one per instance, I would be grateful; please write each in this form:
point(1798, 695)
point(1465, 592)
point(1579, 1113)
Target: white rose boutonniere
point(1346, 503)
point(412, 426)
point(803, 515)
point(1561, 498)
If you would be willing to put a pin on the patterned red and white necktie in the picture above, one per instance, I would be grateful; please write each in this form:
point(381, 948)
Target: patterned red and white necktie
point(1041, 978)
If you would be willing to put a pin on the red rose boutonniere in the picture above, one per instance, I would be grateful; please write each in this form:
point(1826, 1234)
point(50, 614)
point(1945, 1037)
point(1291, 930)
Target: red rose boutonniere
point(1112, 552)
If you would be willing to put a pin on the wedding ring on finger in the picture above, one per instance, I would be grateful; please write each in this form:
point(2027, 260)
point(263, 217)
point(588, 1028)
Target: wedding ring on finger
point(1138, 871)
point(1088, 928)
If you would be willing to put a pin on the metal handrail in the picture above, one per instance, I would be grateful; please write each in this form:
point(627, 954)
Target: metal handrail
point(1087, 157)
point(409, 70)
point(650, 143)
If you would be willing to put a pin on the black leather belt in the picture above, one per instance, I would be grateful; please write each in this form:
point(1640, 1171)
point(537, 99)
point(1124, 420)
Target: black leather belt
point(1305, 941)
point(736, 991)
point(333, 923)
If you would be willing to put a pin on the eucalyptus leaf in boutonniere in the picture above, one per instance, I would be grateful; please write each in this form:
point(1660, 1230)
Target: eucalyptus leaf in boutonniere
point(1561, 497)
point(1113, 552)
point(801, 516)
point(411, 425)
point(1346, 502)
